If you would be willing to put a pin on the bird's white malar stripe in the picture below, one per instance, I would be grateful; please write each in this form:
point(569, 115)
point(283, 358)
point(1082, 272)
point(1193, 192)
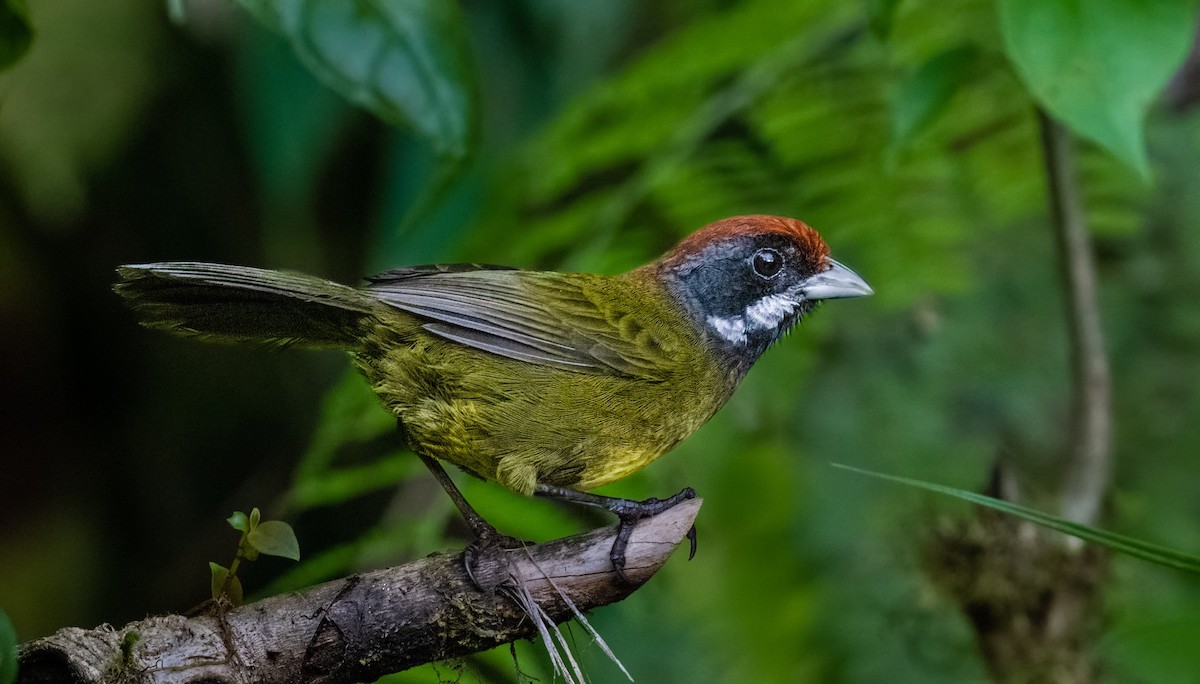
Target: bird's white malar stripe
point(729, 328)
point(765, 314)
point(770, 311)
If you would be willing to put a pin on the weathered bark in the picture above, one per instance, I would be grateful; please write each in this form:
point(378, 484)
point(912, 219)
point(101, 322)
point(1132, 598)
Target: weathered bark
point(362, 627)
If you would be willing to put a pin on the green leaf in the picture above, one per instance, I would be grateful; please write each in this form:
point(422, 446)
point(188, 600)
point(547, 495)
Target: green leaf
point(350, 414)
point(925, 94)
point(217, 581)
point(291, 120)
point(255, 517)
point(342, 484)
point(239, 521)
point(235, 594)
point(1098, 64)
point(15, 33)
point(275, 538)
point(1117, 542)
point(8, 650)
point(219, 574)
point(407, 61)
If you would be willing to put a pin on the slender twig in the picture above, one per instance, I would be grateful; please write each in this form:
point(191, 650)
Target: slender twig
point(1089, 465)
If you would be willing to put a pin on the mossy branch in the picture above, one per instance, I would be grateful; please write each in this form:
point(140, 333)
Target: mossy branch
point(362, 627)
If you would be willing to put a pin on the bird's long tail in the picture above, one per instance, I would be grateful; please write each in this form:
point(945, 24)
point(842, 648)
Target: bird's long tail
point(241, 304)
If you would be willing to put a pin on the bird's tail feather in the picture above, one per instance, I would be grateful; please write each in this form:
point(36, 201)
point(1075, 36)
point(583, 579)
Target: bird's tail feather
point(241, 304)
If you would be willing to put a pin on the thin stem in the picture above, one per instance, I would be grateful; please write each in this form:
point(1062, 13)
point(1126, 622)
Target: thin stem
point(1089, 464)
point(233, 567)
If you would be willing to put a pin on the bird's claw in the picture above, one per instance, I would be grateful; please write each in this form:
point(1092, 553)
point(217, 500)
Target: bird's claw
point(634, 511)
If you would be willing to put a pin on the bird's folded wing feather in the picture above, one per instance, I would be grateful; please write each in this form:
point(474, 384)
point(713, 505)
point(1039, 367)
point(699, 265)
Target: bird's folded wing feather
point(577, 322)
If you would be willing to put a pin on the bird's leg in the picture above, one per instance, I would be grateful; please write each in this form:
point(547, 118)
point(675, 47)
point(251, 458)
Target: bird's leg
point(486, 535)
point(627, 510)
point(481, 528)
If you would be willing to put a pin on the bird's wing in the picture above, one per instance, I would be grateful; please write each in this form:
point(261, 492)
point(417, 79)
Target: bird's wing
point(579, 322)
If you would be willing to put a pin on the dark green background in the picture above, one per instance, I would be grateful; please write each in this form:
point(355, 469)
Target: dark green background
point(607, 131)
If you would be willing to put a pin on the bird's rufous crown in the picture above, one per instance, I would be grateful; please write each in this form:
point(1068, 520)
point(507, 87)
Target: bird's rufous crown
point(807, 239)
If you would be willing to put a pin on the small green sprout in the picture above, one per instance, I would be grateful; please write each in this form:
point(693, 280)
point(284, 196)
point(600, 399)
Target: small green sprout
point(270, 537)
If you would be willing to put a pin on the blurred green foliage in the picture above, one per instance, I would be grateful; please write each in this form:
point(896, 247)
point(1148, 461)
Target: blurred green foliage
point(605, 131)
point(15, 33)
point(8, 650)
point(406, 62)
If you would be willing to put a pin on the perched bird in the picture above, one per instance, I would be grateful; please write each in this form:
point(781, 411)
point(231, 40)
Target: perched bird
point(548, 383)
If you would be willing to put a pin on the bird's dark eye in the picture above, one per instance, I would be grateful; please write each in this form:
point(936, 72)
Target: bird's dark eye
point(767, 263)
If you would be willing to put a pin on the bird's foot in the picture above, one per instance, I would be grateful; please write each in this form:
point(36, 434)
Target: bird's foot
point(488, 541)
point(630, 512)
point(627, 510)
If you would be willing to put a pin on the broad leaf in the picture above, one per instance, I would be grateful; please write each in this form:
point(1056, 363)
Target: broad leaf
point(1117, 542)
point(1098, 64)
point(218, 573)
point(15, 34)
point(275, 538)
point(407, 61)
point(233, 592)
